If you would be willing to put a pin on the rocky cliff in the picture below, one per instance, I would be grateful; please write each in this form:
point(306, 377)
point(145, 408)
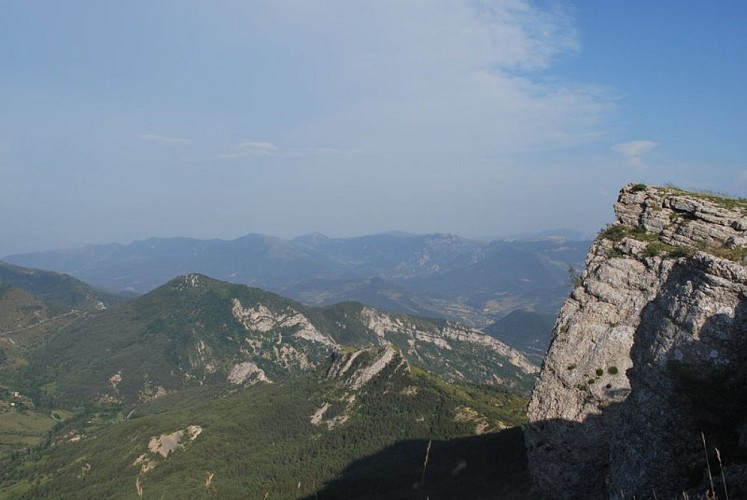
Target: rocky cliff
point(648, 352)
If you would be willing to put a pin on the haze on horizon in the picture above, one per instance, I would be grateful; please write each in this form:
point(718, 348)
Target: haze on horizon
point(479, 118)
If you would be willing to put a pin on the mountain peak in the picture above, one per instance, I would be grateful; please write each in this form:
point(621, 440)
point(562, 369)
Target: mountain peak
point(191, 280)
point(313, 237)
point(56, 288)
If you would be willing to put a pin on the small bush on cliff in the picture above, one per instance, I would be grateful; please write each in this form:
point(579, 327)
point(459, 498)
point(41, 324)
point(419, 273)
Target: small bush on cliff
point(654, 249)
point(735, 254)
point(638, 187)
point(640, 234)
point(657, 248)
point(615, 232)
point(682, 252)
point(615, 254)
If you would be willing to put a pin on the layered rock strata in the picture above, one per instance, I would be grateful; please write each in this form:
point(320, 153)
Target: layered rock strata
point(649, 351)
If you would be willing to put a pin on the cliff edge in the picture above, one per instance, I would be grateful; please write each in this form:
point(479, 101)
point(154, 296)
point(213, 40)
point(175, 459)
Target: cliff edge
point(648, 352)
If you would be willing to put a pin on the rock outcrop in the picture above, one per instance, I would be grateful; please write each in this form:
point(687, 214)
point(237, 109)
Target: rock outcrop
point(353, 371)
point(648, 352)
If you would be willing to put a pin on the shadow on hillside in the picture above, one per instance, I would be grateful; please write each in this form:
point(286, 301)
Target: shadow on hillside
point(490, 466)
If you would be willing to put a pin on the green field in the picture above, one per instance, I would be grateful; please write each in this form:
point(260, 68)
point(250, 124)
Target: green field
point(20, 430)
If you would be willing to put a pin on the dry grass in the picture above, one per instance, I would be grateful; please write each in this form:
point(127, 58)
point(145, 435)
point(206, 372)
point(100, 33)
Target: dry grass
point(711, 493)
point(421, 486)
point(209, 481)
point(708, 464)
point(723, 478)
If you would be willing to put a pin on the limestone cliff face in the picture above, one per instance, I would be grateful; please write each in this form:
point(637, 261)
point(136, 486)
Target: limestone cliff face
point(649, 351)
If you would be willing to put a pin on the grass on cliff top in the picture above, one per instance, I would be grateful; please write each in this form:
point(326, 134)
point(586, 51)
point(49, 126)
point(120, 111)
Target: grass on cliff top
point(656, 248)
point(719, 199)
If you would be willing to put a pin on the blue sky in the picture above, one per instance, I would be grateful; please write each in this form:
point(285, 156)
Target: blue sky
point(126, 120)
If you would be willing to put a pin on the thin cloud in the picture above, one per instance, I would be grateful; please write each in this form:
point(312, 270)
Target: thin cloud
point(249, 148)
point(634, 151)
point(163, 139)
point(453, 79)
point(328, 153)
point(252, 148)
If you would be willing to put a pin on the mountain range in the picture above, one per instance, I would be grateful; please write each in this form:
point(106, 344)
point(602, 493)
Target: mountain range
point(206, 388)
point(433, 275)
point(103, 397)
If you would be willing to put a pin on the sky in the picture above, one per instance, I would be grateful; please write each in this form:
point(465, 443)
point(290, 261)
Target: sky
point(122, 121)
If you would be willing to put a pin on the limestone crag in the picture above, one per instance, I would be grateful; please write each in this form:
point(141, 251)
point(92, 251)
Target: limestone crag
point(247, 371)
point(441, 349)
point(264, 320)
point(648, 351)
point(680, 218)
point(352, 371)
point(355, 370)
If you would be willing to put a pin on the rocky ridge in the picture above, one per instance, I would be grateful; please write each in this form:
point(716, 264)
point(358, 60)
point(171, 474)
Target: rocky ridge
point(649, 351)
point(197, 331)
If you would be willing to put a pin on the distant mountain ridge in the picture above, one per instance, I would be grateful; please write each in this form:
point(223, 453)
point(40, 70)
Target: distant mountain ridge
point(429, 275)
point(56, 288)
point(34, 302)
